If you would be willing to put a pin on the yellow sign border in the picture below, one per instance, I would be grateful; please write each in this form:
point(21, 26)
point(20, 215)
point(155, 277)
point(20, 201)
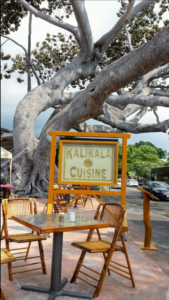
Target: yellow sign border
point(52, 191)
point(60, 181)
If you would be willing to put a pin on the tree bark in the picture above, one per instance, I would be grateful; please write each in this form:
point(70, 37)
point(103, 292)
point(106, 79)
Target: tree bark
point(31, 158)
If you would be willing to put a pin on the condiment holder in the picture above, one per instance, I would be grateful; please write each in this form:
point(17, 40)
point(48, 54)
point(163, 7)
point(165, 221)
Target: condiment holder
point(72, 216)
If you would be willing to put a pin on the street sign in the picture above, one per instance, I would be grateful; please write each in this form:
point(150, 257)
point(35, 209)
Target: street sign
point(88, 162)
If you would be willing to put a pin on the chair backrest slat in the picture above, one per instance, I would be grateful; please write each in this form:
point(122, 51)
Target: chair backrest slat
point(113, 214)
point(109, 213)
point(18, 207)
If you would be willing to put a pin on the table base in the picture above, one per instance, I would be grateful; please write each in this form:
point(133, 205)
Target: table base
point(53, 295)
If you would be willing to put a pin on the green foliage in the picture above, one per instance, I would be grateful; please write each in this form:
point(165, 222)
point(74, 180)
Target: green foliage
point(13, 12)
point(166, 163)
point(57, 51)
point(120, 157)
point(142, 29)
point(160, 152)
point(143, 168)
point(141, 158)
point(145, 157)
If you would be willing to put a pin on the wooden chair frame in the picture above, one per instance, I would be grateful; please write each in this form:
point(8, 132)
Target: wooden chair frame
point(22, 253)
point(107, 248)
point(58, 201)
point(84, 199)
point(8, 258)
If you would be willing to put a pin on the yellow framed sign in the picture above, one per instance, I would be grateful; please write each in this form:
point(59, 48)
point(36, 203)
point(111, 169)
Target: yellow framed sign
point(88, 162)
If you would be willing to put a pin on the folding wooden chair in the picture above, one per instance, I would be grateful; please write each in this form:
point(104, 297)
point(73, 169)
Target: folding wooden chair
point(113, 214)
point(6, 257)
point(84, 198)
point(58, 201)
point(22, 206)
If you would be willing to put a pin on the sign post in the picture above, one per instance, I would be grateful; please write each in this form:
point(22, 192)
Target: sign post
point(88, 162)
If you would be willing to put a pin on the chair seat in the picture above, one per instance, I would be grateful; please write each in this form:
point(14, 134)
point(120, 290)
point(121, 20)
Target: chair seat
point(25, 237)
point(93, 246)
point(6, 256)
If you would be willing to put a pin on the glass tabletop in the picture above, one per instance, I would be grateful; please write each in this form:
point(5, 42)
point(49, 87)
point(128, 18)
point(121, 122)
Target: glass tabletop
point(44, 223)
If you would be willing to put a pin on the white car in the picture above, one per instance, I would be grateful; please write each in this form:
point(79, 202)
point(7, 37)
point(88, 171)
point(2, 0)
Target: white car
point(132, 182)
point(118, 185)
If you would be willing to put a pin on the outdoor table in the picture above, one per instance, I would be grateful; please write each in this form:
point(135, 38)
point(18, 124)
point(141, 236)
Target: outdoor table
point(47, 223)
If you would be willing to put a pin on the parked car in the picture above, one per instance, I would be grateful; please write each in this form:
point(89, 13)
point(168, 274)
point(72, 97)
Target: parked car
point(132, 182)
point(157, 188)
point(118, 185)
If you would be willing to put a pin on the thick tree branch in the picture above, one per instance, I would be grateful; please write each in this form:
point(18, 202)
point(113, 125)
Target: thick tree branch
point(128, 39)
point(107, 38)
point(127, 126)
point(158, 92)
point(57, 22)
point(159, 75)
point(131, 109)
point(84, 26)
point(122, 101)
point(83, 127)
point(139, 7)
point(130, 67)
point(159, 86)
point(139, 115)
point(142, 82)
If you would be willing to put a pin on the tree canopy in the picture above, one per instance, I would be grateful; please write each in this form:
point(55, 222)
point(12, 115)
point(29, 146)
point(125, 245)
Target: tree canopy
point(142, 158)
point(56, 51)
point(122, 73)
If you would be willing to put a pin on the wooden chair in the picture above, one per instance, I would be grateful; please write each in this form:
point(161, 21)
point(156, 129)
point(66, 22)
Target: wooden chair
point(84, 198)
point(22, 206)
point(58, 201)
point(6, 257)
point(113, 214)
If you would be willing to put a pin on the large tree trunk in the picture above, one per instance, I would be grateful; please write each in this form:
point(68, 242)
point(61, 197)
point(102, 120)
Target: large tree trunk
point(30, 170)
point(31, 158)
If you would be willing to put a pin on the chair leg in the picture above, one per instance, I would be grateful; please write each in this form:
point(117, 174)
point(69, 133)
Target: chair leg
point(76, 203)
point(83, 202)
point(2, 229)
point(91, 202)
point(9, 264)
point(102, 277)
point(2, 295)
point(42, 257)
point(78, 266)
point(45, 208)
point(104, 254)
point(10, 271)
point(127, 259)
point(26, 256)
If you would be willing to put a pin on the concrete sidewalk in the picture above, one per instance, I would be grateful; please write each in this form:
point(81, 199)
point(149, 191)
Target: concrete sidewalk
point(151, 282)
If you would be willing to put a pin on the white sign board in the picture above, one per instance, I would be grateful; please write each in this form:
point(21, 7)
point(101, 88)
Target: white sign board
point(88, 162)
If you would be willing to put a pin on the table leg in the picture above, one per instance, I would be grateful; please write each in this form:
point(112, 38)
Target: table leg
point(56, 283)
point(56, 262)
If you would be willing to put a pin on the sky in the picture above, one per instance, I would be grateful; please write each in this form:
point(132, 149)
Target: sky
point(102, 16)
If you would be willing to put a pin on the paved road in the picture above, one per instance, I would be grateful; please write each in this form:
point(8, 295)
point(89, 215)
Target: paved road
point(159, 216)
